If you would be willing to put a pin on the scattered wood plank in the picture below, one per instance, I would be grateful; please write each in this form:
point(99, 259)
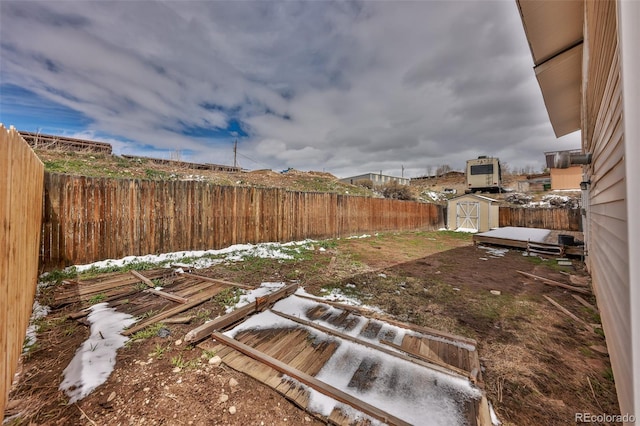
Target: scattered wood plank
point(178, 320)
point(569, 314)
point(217, 281)
point(142, 278)
point(582, 281)
point(371, 314)
point(554, 283)
point(545, 249)
point(173, 311)
point(441, 367)
point(153, 290)
point(206, 329)
point(584, 303)
point(111, 284)
point(311, 381)
point(167, 296)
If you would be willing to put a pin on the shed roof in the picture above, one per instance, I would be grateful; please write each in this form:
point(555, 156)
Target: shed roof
point(481, 197)
point(554, 31)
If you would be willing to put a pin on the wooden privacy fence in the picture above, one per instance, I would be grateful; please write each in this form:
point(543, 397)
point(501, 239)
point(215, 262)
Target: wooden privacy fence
point(21, 179)
point(89, 219)
point(557, 219)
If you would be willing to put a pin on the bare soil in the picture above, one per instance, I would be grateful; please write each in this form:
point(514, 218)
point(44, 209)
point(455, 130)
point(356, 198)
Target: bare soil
point(540, 367)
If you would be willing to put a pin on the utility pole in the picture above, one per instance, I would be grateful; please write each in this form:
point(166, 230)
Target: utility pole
point(235, 153)
point(402, 171)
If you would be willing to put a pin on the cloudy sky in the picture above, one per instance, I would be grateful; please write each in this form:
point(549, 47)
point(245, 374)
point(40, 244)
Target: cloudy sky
point(345, 87)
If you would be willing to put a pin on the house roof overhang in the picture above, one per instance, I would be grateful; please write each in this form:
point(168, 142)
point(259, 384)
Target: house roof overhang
point(554, 30)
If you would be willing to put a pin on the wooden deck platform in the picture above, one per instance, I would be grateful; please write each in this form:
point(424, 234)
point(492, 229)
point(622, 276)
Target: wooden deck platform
point(548, 246)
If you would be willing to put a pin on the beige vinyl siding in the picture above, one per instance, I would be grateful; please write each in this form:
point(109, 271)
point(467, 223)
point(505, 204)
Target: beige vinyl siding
point(608, 253)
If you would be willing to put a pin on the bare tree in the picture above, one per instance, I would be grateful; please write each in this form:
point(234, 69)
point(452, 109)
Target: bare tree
point(443, 169)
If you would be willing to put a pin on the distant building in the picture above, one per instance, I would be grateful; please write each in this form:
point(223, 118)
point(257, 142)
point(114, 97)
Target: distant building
point(565, 178)
point(378, 179)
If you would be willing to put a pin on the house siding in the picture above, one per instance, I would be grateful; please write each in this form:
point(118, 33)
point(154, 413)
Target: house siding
point(603, 136)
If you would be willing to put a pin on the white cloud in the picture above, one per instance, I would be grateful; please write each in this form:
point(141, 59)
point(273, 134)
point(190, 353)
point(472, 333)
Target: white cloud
point(349, 87)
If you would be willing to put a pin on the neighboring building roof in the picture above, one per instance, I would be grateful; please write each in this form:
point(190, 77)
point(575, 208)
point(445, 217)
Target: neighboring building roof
point(554, 32)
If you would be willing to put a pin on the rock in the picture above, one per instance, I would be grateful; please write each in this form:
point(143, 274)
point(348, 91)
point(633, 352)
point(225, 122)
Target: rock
point(176, 370)
point(307, 419)
point(496, 292)
point(232, 409)
point(216, 360)
point(223, 398)
point(146, 389)
point(163, 332)
point(233, 382)
point(178, 342)
point(111, 397)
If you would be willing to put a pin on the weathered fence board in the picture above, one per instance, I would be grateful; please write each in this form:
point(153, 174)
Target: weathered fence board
point(556, 219)
point(21, 176)
point(88, 219)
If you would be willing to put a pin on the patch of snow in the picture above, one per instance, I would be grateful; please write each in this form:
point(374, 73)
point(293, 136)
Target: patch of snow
point(198, 178)
point(436, 398)
point(38, 311)
point(469, 230)
point(263, 320)
point(95, 359)
point(494, 252)
point(537, 235)
point(494, 417)
point(357, 237)
point(433, 196)
point(251, 296)
point(197, 259)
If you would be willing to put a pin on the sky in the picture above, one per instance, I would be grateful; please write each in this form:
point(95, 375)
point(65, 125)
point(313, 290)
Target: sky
point(347, 87)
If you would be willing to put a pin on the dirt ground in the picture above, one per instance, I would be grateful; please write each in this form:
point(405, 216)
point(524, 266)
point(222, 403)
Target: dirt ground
point(540, 367)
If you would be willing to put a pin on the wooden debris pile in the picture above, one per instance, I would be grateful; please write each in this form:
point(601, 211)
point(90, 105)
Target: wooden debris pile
point(153, 296)
point(293, 351)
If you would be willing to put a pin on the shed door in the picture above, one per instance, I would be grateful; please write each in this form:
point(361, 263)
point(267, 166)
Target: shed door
point(467, 214)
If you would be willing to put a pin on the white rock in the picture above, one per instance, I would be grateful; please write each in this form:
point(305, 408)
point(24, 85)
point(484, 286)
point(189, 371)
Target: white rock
point(177, 370)
point(233, 382)
point(223, 398)
point(495, 292)
point(112, 396)
point(232, 409)
point(178, 342)
point(216, 360)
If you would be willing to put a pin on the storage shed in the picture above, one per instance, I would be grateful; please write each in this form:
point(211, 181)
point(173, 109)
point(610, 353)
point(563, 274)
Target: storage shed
point(473, 212)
